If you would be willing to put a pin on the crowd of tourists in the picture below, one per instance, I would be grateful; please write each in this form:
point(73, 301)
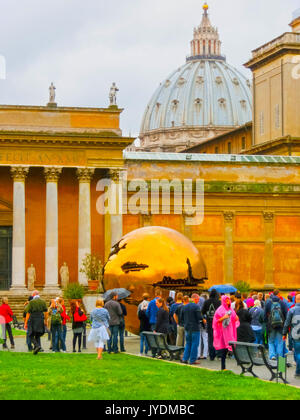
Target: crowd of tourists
point(205, 325)
point(107, 324)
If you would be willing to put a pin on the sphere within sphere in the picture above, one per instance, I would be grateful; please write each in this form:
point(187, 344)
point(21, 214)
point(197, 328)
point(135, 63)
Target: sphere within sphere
point(153, 257)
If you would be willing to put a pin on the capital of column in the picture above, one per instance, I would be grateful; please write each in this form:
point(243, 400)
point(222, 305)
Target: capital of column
point(268, 216)
point(85, 174)
point(52, 174)
point(116, 175)
point(228, 216)
point(19, 173)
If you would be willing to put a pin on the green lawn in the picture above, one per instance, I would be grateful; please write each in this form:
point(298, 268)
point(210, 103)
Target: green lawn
point(124, 377)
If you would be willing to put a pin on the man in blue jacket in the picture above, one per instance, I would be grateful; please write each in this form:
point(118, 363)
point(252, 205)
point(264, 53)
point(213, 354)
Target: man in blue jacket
point(192, 317)
point(153, 309)
point(275, 315)
point(293, 322)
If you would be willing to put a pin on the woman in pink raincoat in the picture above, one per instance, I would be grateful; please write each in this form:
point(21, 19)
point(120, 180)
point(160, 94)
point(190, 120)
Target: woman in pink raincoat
point(225, 326)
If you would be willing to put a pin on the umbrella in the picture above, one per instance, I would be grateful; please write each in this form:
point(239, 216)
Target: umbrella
point(122, 294)
point(224, 288)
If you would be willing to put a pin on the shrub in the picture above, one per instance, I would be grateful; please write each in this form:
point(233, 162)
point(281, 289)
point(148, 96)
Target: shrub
point(74, 291)
point(242, 286)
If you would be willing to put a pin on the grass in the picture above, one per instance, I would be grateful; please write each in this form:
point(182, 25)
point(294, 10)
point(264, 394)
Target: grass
point(17, 333)
point(123, 377)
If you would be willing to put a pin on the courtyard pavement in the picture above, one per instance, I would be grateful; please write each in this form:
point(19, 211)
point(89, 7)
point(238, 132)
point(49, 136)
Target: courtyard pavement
point(132, 347)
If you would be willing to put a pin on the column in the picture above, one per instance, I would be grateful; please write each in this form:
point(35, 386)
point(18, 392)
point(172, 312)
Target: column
point(114, 220)
point(51, 263)
point(269, 269)
point(85, 176)
point(19, 175)
point(228, 253)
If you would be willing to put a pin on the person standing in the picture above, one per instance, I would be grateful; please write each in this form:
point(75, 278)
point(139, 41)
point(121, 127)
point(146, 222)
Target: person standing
point(55, 324)
point(7, 313)
point(275, 315)
point(144, 327)
point(174, 306)
point(100, 326)
point(257, 321)
point(293, 322)
point(28, 339)
point(153, 309)
point(36, 320)
point(65, 319)
point(225, 324)
point(163, 317)
point(115, 313)
point(245, 333)
point(192, 317)
point(122, 326)
point(208, 311)
point(178, 317)
point(79, 318)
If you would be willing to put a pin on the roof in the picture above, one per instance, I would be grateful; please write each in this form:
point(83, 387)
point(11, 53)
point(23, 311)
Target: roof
point(198, 157)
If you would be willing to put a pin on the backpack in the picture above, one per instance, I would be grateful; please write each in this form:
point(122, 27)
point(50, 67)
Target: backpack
point(211, 312)
point(56, 318)
point(276, 316)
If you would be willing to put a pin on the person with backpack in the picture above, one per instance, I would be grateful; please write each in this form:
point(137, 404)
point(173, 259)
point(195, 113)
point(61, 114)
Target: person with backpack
point(208, 311)
point(274, 316)
point(293, 322)
point(55, 323)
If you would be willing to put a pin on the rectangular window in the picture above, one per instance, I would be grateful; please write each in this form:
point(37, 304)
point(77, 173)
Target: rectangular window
point(261, 123)
point(216, 150)
point(243, 143)
point(277, 116)
point(229, 148)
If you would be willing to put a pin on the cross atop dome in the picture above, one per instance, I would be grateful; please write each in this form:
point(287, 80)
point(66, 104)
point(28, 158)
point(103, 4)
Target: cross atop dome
point(206, 43)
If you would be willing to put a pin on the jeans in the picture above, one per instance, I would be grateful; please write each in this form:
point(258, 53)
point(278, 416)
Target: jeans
point(28, 342)
point(57, 337)
point(143, 344)
point(64, 334)
point(259, 339)
point(203, 345)
point(121, 334)
point(276, 344)
point(113, 342)
point(192, 340)
point(297, 355)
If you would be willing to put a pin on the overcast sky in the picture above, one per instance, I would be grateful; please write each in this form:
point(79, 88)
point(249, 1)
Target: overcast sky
point(84, 46)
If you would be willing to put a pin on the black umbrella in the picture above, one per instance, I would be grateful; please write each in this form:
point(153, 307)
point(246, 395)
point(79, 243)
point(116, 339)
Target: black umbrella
point(122, 294)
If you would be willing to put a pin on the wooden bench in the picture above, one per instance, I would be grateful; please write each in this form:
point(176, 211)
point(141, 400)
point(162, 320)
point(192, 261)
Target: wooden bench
point(158, 344)
point(248, 355)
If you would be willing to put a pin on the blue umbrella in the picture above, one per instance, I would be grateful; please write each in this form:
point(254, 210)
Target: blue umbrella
point(224, 288)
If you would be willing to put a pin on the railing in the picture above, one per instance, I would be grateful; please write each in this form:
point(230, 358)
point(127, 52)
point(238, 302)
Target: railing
point(206, 57)
point(287, 38)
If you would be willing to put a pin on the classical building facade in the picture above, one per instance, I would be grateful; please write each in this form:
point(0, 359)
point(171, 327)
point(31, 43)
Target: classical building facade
point(51, 159)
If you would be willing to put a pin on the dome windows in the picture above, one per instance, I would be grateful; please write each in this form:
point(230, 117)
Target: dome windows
point(198, 101)
point(181, 82)
point(222, 102)
point(219, 80)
